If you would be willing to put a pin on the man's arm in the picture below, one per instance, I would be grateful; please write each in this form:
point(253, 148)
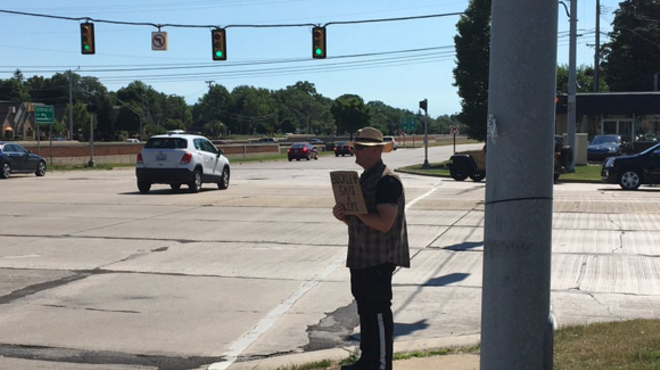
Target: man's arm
point(383, 219)
point(388, 192)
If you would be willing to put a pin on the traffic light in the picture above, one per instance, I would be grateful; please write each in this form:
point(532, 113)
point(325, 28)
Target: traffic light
point(219, 40)
point(318, 43)
point(423, 104)
point(87, 38)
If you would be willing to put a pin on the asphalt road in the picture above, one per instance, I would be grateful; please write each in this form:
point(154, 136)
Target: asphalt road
point(95, 275)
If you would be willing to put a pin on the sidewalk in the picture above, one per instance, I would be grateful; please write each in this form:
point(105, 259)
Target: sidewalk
point(449, 362)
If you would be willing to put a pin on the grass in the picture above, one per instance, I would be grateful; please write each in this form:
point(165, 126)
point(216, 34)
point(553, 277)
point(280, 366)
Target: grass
point(83, 167)
point(588, 173)
point(622, 345)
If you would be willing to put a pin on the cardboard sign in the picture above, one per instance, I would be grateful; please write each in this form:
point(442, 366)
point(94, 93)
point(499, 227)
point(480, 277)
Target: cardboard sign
point(347, 190)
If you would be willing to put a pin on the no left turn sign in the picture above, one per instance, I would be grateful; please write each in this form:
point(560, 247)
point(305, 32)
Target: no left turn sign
point(159, 41)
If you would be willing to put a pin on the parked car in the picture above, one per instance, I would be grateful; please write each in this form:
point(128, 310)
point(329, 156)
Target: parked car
point(267, 140)
point(177, 159)
point(16, 159)
point(316, 141)
point(342, 148)
point(603, 146)
point(391, 139)
point(631, 171)
point(302, 150)
point(472, 163)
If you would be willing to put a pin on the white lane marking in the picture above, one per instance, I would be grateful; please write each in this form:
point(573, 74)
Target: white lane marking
point(267, 322)
point(421, 197)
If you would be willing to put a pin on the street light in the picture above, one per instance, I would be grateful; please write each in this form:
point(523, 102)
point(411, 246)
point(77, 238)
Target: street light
point(132, 109)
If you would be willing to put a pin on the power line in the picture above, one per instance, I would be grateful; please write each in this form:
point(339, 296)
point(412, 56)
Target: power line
point(97, 20)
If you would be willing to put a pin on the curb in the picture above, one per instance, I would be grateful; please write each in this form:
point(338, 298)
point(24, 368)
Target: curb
point(337, 354)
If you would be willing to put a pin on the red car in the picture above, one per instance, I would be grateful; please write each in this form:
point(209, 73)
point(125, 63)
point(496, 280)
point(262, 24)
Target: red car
point(302, 150)
point(343, 148)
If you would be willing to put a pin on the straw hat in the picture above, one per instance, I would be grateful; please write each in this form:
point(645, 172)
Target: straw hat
point(370, 136)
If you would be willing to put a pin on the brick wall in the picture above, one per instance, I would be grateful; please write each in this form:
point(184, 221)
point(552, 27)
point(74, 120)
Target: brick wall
point(70, 153)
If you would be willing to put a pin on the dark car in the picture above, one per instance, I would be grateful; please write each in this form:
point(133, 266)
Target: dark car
point(315, 141)
point(630, 171)
point(16, 159)
point(342, 148)
point(299, 151)
point(603, 146)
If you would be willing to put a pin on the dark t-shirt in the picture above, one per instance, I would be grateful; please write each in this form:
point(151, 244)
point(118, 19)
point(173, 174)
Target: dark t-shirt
point(388, 190)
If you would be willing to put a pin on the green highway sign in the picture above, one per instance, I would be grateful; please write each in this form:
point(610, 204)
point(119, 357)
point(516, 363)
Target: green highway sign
point(43, 113)
point(409, 123)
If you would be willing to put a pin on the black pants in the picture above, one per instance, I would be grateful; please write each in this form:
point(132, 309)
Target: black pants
point(372, 289)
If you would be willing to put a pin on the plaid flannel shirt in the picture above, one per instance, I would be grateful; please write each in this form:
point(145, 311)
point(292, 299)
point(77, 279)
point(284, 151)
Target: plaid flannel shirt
point(368, 247)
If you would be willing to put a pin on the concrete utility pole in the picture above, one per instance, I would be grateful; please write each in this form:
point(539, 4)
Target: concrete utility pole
point(515, 334)
point(572, 84)
point(70, 105)
point(597, 47)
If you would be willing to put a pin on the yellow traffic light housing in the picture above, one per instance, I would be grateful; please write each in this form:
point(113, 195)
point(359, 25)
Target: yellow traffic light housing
point(219, 43)
point(87, 38)
point(318, 43)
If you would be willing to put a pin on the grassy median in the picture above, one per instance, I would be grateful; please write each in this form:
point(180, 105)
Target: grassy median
point(583, 173)
point(622, 345)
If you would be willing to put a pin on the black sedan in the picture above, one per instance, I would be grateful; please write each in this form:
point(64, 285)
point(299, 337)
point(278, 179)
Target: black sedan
point(343, 148)
point(604, 146)
point(299, 151)
point(631, 171)
point(16, 159)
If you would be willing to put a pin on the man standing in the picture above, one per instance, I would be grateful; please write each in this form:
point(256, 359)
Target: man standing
point(377, 243)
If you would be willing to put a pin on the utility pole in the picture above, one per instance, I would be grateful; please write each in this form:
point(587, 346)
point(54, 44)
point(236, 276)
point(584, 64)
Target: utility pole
point(597, 47)
point(91, 109)
point(211, 82)
point(70, 105)
point(424, 104)
point(515, 312)
point(572, 84)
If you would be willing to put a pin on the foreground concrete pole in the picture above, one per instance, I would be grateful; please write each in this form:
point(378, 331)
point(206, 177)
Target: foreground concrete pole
point(518, 225)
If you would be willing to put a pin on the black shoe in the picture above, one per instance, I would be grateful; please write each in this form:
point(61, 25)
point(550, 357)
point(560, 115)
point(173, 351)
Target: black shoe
point(355, 366)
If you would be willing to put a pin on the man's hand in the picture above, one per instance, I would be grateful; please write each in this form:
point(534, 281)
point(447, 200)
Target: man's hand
point(339, 212)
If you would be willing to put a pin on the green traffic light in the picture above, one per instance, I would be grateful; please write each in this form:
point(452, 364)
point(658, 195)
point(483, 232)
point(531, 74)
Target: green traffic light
point(318, 51)
point(86, 47)
point(218, 53)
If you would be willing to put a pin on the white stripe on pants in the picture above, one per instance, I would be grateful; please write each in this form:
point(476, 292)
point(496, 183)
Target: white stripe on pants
point(381, 336)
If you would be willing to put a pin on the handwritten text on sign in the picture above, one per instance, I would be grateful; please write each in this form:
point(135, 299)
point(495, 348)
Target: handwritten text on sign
point(347, 191)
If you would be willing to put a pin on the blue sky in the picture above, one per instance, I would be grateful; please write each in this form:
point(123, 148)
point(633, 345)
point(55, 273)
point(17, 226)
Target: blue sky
point(263, 57)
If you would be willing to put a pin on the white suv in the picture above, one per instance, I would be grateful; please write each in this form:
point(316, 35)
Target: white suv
point(177, 159)
point(391, 139)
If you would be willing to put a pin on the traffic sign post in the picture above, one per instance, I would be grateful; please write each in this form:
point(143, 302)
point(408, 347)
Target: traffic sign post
point(454, 131)
point(44, 114)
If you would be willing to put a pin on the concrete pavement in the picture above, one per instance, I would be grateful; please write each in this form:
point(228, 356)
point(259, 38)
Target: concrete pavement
point(449, 362)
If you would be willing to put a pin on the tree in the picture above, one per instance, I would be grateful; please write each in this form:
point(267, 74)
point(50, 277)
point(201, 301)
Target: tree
point(212, 106)
point(350, 113)
point(632, 55)
point(584, 78)
point(472, 63)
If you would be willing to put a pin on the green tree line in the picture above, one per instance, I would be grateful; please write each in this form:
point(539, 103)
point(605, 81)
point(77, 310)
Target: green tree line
point(245, 110)
point(628, 59)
